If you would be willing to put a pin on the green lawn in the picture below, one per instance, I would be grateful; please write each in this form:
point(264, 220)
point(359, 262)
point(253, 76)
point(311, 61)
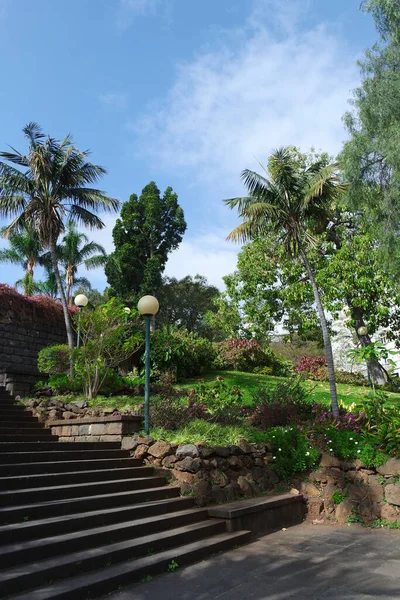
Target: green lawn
point(319, 390)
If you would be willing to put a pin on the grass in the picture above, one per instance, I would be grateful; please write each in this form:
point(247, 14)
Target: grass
point(319, 390)
point(209, 433)
point(248, 384)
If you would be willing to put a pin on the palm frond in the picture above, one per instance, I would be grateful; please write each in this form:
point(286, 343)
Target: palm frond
point(81, 216)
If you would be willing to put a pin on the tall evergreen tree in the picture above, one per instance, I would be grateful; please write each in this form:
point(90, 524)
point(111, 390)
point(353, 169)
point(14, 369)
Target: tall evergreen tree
point(148, 229)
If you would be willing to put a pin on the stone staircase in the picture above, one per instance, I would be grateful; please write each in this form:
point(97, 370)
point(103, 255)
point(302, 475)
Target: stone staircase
point(79, 520)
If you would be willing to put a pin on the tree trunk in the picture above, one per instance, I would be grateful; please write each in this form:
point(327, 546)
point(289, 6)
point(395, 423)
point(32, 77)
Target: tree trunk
point(325, 335)
point(376, 373)
point(68, 285)
point(67, 316)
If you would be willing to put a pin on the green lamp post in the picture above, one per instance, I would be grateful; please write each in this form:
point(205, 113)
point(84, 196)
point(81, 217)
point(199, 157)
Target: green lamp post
point(80, 301)
point(148, 307)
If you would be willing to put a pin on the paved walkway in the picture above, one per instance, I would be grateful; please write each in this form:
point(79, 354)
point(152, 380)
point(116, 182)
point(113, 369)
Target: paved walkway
point(303, 563)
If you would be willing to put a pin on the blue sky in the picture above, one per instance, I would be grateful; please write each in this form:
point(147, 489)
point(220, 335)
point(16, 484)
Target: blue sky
point(182, 92)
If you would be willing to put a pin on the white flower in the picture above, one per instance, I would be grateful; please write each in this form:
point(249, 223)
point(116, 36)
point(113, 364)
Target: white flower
point(351, 439)
point(358, 451)
point(329, 441)
point(279, 449)
point(356, 442)
point(273, 436)
point(307, 454)
point(274, 457)
point(330, 449)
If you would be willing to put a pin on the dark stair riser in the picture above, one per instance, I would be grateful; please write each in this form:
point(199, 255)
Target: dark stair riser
point(46, 468)
point(82, 540)
point(9, 415)
point(38, 437)
point(50, 446)
point(37, 481)
point(29, 423)
point(7, 458)
point(56, 509)
point(99, 583)
point(13, 431)
point(18, 497)
point(21, 532)
point(106, 555)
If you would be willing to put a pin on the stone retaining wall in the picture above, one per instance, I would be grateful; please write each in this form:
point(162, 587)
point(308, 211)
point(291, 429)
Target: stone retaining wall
point(95, 429)
point(337, 491)
point(26, 326)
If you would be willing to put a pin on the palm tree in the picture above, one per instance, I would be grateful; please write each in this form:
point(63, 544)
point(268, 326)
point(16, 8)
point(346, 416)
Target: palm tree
point(52, 187)
point(25, 250)
point(76, 250)
point(288, 200)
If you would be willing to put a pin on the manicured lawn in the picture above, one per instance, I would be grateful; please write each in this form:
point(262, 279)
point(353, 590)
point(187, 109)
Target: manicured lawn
point(319, 390)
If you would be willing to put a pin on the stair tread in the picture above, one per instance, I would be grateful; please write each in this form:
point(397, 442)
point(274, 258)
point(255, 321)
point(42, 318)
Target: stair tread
point(5, 479)
point(77, 486)
point(55, 539)
point(81, 555)
point(114, 572)
point(26, 525)
point(43, 505)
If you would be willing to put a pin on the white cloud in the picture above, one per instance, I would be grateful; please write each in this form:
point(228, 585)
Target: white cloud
point(208, 255)
point(114, 99)
point(258, 90)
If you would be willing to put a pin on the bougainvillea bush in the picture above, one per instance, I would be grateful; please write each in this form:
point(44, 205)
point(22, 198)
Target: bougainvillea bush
point(248, 356)
point(310, 365)
point(12, 301)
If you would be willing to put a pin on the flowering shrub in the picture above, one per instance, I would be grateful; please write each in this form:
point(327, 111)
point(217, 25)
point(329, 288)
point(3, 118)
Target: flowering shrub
point(287, 403)
point(13, 301)
point(310, 365)
point(292, 451)
point(249, 356)
point(348, 420)
point(182, 353)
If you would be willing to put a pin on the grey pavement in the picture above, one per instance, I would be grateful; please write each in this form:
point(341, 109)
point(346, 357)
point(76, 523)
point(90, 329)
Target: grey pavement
point(305, 562)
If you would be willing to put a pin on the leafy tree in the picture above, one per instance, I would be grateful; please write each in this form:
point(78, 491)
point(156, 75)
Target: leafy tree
point(371, 158)
point(49, 186)
point(74, 251)
point(148, 229)
point(25, 250)
point(108, 339)
point(287, 200)
point(184, 302)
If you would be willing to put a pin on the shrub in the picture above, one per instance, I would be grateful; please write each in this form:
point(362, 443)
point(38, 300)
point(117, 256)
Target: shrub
point(382, 423)
point(310, 365)
point(54, 359)
point(62, 384)
point(222, 403)
point(292, 451)
point(287, 403)
point(249, 356)
point(338, 497)
point(182, 353)
point(212, 434)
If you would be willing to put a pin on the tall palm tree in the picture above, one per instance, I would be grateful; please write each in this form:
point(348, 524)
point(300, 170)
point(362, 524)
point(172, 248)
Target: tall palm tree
point(288, 199)
point(25, 250)
point(74, 251)
point(49, 186)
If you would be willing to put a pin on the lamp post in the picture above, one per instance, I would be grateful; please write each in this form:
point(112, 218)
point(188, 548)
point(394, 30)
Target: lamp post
point(363, 330)
point(80, 301)
point(127, 312)
point(147, 306)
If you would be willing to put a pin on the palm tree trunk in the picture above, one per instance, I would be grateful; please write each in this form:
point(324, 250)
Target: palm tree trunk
point(68, 285)
point(325, 335)
point(67, 316)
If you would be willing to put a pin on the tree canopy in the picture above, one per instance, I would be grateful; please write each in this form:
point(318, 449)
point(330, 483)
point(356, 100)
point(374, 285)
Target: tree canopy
point(148, 229)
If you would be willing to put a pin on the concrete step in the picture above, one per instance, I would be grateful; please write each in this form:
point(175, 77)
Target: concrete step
point(28, 512)
point(67, 466)
point(28, 576)
point(97, 583)
point(19, 415)
point(21, 429)
point(17, 553)
point(40, 528)
point(48, 446)
point(24, 423)
point(43, 494)
point(72, 478)
point(66, 455)
point(43, 436)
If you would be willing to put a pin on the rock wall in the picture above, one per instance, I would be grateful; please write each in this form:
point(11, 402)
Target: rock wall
point(348, 492)
point(337, 492)
point(26, 326)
